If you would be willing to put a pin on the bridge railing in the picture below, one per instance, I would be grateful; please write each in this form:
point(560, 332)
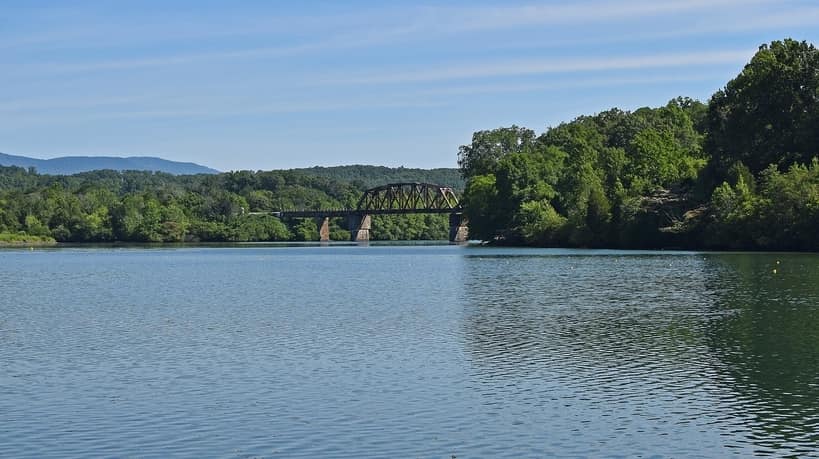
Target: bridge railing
point(391, 199)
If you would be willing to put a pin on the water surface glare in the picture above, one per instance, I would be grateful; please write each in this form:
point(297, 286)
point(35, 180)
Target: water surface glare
point(407, 351)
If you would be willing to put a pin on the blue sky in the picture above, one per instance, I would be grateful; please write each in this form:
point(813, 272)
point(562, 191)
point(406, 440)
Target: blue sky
point(268, 84)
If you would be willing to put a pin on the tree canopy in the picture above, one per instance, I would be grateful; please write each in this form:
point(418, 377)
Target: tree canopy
point(769, 113)
point(737, 172)
point(134, 206)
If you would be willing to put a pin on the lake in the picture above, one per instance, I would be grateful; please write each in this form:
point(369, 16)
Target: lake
point(406, 351)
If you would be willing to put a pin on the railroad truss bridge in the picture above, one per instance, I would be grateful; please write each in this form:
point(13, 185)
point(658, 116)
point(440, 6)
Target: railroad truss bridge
point(391, 199)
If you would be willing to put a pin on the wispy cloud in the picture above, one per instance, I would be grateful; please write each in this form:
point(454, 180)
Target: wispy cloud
point(97, 71)
point(523, 67)
point(77, 28)
point(512, 16)
point(400, 25)
point(63, 29)
point(49, 104)
point(204, 109)
point(271, 109)
point(562, 85)
point(163, 106)
point(768, 21)
point(179, 59)
point(342, 41)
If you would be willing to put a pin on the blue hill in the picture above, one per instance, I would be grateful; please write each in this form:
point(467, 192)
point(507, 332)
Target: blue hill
point(74, 164)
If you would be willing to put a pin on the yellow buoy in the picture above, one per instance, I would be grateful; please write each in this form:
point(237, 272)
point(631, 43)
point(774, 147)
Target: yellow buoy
point(774, 271)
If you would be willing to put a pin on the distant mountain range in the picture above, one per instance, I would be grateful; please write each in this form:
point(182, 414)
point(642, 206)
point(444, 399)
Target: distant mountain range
point(364, 175)
point(74, 164)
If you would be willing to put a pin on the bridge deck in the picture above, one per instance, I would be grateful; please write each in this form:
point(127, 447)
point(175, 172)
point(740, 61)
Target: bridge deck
point(390, 199)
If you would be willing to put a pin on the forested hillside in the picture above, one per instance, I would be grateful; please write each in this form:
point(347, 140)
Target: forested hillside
point(103, 206)
point(371, 176)
point(738, 172)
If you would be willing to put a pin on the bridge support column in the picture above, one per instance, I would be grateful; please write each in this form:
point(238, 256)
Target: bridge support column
point(458, 230)
point(323, 224)
point(359, 227)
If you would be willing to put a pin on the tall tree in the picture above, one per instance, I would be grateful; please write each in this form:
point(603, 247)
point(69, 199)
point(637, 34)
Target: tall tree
point(769, 113)
point(488, 147)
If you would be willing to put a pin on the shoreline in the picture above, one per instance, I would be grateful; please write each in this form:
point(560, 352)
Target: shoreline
point(471, 244)
point(23, 244)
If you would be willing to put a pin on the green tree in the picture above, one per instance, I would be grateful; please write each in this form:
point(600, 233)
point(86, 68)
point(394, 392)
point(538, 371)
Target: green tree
point(35, 227)
point(481, 204)
point(733, 211)
point(305, 230)
point(488, 147)
point(790, 208)
point(174, 226)
point(769, 113)
point(261, 200)
point(538, 223)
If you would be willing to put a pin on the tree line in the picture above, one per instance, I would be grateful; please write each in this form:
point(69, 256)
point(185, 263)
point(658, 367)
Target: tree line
point(738, 172)
point(136, 206)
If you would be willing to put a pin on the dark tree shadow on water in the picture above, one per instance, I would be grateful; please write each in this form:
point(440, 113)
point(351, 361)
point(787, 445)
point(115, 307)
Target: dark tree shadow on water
point(768, 343)
point(719, 334)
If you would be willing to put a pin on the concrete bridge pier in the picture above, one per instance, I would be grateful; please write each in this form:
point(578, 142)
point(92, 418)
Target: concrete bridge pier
point(458, 230)
point(323, 224)
point(359, 227)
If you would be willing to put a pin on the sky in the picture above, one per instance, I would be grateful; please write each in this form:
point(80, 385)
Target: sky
point(270, 84)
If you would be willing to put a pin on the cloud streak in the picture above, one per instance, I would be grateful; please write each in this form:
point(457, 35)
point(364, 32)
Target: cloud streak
point(42, 104)
point(57, 113)
point(114, 31)
point(505, 17)
point(222, 74)
point(562, 85)
point(146, 107)
point(524, 67)
point(426, 23)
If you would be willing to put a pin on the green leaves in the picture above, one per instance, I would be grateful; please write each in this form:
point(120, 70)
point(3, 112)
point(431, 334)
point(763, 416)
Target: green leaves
point(538, 223)
point(782, 215)
point(488, 147)
point(487, 218)
point(567, 186)
point(769, 113)
point(409, 227)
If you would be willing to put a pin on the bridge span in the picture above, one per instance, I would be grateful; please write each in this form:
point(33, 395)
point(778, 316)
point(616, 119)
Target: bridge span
point(390, 199)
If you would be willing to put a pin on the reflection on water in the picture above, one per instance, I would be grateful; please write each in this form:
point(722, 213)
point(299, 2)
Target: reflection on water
point(407, 352)
point(768, 348)
point(683, 354)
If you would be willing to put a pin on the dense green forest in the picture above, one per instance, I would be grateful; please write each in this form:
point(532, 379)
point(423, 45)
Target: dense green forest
point(739, 172)
point(136, 206)
point(372, 176)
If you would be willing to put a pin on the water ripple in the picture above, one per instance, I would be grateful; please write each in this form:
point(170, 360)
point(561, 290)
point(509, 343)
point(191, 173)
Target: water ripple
point(407, 352)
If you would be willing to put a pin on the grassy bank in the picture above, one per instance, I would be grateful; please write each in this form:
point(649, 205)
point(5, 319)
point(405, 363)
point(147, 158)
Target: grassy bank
point(18, 239)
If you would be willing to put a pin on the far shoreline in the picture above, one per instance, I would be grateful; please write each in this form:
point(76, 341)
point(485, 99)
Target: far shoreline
point(385, 243)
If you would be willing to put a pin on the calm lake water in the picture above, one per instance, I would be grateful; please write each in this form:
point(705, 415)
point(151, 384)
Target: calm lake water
point(407, 351)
